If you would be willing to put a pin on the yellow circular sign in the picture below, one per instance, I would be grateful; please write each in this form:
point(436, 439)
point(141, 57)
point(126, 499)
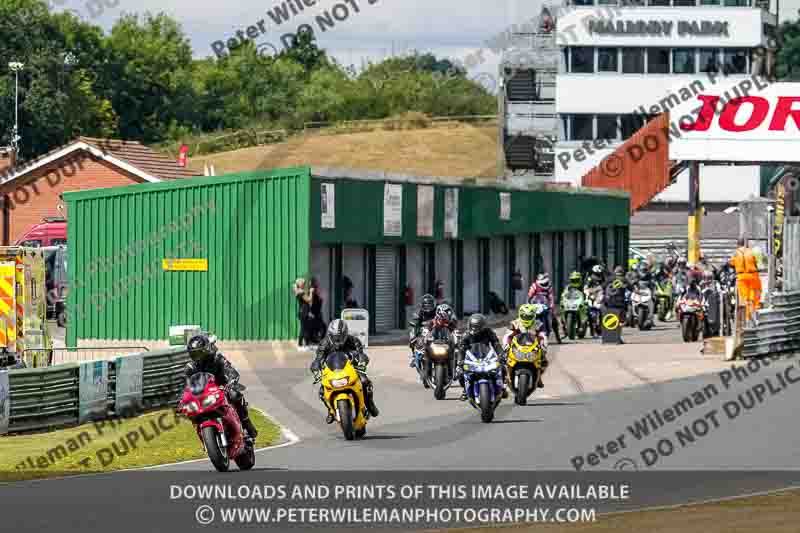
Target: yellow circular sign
point(611, 321)
point(617, 284)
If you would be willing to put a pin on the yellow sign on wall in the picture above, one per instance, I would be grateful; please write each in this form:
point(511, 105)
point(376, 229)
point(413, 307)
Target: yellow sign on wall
point(194, 265)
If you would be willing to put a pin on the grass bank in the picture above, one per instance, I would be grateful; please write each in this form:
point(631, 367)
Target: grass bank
point(159, 437)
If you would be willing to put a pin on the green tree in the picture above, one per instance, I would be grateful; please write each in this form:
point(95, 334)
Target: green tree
point(305, 52)
point(149, 74)
point(788, 59)
point(61, 96)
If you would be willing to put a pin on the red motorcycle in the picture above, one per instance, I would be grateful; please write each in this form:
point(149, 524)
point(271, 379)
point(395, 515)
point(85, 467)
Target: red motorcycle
point(217, 423)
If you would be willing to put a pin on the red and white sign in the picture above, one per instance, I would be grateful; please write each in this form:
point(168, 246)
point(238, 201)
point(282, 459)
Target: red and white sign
point(727, 125)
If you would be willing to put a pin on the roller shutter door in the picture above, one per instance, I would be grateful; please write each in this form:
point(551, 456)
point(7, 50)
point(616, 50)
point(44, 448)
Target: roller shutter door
point(444, 268)
point(522, 257)
point(472, 296)
point(385, 288)
point(499, 267)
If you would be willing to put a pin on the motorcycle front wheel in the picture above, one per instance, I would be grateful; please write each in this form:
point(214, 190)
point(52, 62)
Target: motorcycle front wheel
point(216, 454)
point(686, 328)
point(487, 406)
point(571, 327)
point(346, 419)
point(440, 381)
point(642, 318)
point(522, 388)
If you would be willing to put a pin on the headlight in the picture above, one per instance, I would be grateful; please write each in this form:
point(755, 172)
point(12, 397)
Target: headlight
point(211, 399)
point(439, 349)
point(191, 407)
point(490, 365)
point(342, 382)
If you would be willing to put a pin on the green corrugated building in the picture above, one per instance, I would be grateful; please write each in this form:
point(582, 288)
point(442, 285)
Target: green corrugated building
point(244, 238)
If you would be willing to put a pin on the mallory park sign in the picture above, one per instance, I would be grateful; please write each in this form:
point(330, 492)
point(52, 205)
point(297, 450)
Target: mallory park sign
point(658, 28)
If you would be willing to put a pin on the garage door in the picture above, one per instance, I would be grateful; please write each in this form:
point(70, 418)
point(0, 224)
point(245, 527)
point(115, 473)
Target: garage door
point(472, 295)
point(385, 288)
point(522, 256)
point(499, 267)
point(321, 269)
point(444, 268)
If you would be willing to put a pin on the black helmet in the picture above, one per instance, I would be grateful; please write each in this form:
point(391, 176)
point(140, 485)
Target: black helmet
point(337, 333)
point(477, 323)
point(428, 303)
point(619, 271)
point(201, 347)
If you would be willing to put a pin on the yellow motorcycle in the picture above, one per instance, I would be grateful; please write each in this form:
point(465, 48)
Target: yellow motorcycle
point(344, 395)
point(524, 366)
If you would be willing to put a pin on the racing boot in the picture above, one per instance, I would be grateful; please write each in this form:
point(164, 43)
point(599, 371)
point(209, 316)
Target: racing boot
point(244, 418)
point(371, 407)
point(330, 418)
point(248, 425)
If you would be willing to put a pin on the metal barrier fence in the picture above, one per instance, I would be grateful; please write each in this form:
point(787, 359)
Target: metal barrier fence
point(40, 358)
point(791, 254)
point(73, 393)
point(778, 329)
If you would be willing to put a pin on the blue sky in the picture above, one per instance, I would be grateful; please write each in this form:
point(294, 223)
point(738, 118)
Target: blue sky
point(453, 28)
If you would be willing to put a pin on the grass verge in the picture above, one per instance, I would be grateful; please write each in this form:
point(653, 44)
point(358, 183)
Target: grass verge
point(155, 438)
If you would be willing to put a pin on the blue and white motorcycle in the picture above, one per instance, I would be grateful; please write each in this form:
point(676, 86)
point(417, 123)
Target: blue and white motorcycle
point(483, 379)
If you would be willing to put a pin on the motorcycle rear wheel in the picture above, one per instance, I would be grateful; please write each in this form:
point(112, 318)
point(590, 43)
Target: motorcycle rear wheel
point(346, 419)
point(247, 459)
point(487, 406)
point(218, 458)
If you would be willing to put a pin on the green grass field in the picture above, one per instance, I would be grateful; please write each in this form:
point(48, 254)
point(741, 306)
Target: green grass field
point(152, 439)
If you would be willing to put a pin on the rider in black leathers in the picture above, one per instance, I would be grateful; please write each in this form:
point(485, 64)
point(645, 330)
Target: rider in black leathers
point(205, 358)
point(425, 313)
point(339, 339)
point(478, 333)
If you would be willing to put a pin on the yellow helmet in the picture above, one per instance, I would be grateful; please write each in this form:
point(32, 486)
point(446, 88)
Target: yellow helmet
point(527, 314)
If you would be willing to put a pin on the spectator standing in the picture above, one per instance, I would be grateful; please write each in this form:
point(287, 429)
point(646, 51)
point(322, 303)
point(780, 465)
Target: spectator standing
point(303, 310)
point(748, 283)
point(317, 323)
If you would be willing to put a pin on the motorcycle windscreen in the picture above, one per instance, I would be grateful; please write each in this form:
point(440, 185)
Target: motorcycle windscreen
point(526, 339)
point(337, 361)
point(198, 382)
point(440, 335)
point(479, 351)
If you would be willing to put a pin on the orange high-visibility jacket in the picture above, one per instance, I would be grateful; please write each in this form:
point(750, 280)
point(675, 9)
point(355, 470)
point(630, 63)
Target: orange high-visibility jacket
point(744, 261)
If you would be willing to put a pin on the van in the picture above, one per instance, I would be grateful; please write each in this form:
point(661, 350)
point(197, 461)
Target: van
point(55, 275)
point(51, 232)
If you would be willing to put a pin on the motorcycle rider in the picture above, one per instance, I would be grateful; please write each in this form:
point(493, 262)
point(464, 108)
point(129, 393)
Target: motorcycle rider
point(338, 339)
point(479, 333)
point(615, 295)
point(446, 313)
point(206, 358)
point(541, 291)
point(425, 313)
point(530, 320)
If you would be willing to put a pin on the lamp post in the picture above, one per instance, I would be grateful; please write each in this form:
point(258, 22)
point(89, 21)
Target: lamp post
point(16, 67)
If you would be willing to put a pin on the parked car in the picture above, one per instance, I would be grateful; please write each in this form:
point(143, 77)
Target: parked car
point(51, 232)
point(56, 282)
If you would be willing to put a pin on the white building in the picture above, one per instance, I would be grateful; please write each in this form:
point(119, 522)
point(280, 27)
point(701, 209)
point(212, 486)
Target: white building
point(622, 64)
